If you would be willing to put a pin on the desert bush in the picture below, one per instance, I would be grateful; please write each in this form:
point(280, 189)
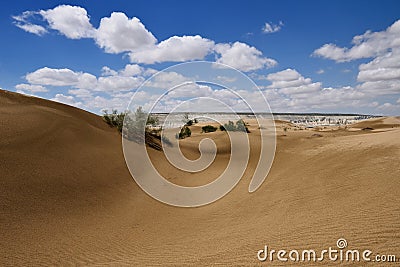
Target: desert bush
point(240, 126)
point(135, 123)
point(230, 126)
point(187, 121)
point(114, 119)
point(208, 129)
point(185, 132)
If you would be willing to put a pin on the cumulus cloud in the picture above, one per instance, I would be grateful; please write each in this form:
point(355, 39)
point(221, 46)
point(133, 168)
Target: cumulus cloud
point(290, 82)
point(380, 76)
point(167, 79)
point(121, 34)
point(389, 108)
point(242, 57)
point(83, 80)
point(81, 93)
point(174, 49)
point(291, 92)
point(271, 28)
point(66, 99)
point(54, 77)
point(31, 88)
point(369, 44)
point(118, 33)
point(72, 21)
point(190, 90)
point(85, 90)
point(132, 70)
point(118, 83)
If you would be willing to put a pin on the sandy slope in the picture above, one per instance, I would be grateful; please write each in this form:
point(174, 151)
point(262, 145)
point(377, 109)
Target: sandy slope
point(67, 198)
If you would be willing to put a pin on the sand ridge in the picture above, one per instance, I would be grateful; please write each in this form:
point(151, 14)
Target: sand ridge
point(67, 197)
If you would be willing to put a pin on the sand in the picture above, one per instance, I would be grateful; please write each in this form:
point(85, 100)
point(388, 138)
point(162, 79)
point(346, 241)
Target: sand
point(67, 197)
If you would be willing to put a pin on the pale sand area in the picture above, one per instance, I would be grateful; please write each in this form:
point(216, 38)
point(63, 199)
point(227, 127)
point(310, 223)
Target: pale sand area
point(67, 197)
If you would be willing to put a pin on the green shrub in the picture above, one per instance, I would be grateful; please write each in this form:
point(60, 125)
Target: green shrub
point(114, 119)
point(208, 129)
point(187, 121)
point(240, 126)
point(136, 123)
point(230, 126)
point(185, 132)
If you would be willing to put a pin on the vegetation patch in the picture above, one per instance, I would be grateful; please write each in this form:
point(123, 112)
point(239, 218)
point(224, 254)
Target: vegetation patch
point(185, 132)
point(239, 126)
point(208, 129)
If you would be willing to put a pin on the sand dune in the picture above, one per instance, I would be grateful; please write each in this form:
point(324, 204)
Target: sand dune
point(67, 197)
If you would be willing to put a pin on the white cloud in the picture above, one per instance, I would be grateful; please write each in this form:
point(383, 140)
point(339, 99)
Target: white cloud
point(86, 81)
point(291, 92)
point(107, 71)
point(72, 21)
point(82, 80)
point(380, 76)
point(22, 22)
point(66, 99)
point(32, 28)
point(31, 88)
point(167, 80)
point(242, 57)
point(86, 90)
point(320, 71)
point(369, 44)
point(132, 70)
point(53, 77)
point(290, 82)
point(398, 101)
point(81, 93)
point(118, 33)
point(226, 79)
point(118, 102)
point(174, 49)
point(271, 28)
point(380, 87)
point(190, 90)
point(281, 78)
point(385, 67)
point(118, 83)
point(389, 108)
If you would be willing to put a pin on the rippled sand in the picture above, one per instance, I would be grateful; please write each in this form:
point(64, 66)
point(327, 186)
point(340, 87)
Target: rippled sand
point(67, 197)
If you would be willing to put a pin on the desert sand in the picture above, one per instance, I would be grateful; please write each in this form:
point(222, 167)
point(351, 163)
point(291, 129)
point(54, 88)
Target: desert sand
point(67, 197)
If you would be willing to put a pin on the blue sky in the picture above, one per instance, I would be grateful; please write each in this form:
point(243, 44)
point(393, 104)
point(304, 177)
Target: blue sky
point(304, 55)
